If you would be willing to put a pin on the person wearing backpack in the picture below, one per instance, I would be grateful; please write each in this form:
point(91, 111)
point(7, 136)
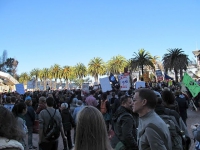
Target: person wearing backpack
point(104, 107)
point(125, 126)
point(153, 133)
point(50, 127)
point(175, 124)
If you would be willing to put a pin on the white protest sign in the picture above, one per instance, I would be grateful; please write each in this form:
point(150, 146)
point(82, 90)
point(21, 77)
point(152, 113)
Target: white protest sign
point(140, 84)
point(85, 87)
point(105, 84)
point(31, 84)
point(19, 88)
point(124, 82)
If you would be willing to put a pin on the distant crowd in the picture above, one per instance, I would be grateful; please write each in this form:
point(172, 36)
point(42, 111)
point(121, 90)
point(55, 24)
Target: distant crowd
point(137, 119)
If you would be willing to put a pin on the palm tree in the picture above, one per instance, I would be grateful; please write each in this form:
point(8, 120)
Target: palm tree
point(60, 75)
point(72, 75)
point(141, 59)
point(96, 67)
point(80, 70)
point(117, 64)
point(50, 76)
point(55, 70)
point(35, 73)
point(154, 60)
point(67, 71)
point(45, 72)
point(24, 78)
point(177, 60)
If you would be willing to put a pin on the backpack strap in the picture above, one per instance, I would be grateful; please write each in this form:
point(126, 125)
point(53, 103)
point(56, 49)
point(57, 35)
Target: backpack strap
point(50, 114)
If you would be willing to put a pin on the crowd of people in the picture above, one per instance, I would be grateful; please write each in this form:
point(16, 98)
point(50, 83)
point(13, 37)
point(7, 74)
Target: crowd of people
point(140, 119)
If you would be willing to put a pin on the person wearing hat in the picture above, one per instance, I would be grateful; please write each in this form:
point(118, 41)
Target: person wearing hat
point(30, 118)
point(68, 124)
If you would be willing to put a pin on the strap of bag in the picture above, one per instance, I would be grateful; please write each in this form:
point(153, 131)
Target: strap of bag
point(50, 114)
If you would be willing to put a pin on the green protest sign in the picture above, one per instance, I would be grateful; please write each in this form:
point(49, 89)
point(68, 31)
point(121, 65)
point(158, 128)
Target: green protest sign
point(193, 87)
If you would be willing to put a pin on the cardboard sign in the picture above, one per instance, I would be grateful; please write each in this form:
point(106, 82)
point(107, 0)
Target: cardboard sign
point(124, 82)
point(105, 84)
point(19, 88)
point(139, 84)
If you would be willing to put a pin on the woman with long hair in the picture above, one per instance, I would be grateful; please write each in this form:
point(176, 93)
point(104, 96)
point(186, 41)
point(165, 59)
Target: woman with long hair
point(91, 133)
point(10, 133)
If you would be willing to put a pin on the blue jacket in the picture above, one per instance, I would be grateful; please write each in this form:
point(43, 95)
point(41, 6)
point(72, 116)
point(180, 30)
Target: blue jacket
point(30, 116)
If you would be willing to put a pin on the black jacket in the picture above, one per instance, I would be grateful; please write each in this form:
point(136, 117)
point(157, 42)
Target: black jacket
point(183, 106)
point(67, 120)
point(125, 127)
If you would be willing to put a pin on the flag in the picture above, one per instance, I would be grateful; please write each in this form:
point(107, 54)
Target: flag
point(168, 77)
point(193, 87)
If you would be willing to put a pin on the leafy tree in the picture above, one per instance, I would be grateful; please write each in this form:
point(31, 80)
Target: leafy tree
point(55, 70)
point(80, 70)
point(24, 78)
point(50, 76)
point(177, 60)
point(67, 71)
point(35, 73)
point(96, 67)
point(141, 59)
point(60, 75)
point(117, 64)
point(45, 74)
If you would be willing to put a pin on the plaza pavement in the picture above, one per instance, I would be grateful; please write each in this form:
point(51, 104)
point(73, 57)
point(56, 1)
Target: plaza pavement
point(193, 117)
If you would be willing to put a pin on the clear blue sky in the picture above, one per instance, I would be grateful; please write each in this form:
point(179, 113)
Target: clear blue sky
point(40, 33)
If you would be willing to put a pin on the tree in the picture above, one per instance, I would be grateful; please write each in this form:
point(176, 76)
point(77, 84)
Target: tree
point(45, 74)
point(24, 78)
point(50, 76)
point(55, 70)
point(2, 61)
point(117, 64)
point(35, 73)
point(141, 59)
point(60, 75)
point(67, 71)
point(80, 70)
point(177, 60)
point(96, 67)
point(8, 65)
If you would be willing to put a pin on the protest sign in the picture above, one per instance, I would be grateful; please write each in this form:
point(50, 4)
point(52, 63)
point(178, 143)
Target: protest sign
point(193, 87)
point(124, 82)
point(105, 84)
point(85, 87)
point(19, 88)
point(31, 84)
point(159, 75)
point(139, 84)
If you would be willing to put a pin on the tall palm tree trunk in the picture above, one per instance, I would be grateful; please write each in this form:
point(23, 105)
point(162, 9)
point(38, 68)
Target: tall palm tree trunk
point(176, 75)
point(181, 74)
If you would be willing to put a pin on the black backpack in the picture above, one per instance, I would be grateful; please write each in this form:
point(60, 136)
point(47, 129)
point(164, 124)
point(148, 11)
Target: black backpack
point(52, 132)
